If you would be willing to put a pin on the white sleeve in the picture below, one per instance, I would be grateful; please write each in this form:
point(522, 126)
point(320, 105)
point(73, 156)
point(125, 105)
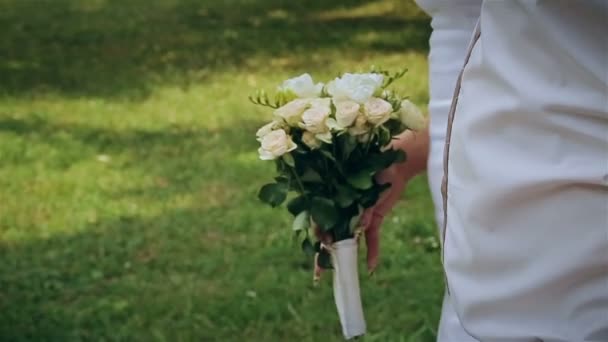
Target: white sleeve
point(526, 246)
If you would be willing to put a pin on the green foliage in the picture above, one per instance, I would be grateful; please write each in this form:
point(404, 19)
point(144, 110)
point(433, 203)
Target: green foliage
point(361, 180)
point(273, 194)
point(347, 144)
point(383, 160)
point(301, 221)
point(308, 248)
point(389, 77)
point(345, 195)
point(298, 204)
point(288, 159)
point(324, 260)
point(262, 99)
point(311, 176)
point(395, 126)
point(324, 213)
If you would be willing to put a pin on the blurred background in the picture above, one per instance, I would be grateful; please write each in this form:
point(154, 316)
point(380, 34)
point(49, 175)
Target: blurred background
point(129, 171)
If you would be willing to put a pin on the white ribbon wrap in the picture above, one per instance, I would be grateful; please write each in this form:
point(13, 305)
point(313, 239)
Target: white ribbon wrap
point(346, 288)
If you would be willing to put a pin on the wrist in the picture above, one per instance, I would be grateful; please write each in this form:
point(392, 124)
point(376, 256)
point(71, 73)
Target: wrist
point(416, 146)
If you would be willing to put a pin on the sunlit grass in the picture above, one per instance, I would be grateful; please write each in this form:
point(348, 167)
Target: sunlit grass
point(128, 171)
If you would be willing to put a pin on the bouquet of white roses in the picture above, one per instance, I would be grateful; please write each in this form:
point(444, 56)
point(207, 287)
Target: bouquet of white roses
point(328, 142)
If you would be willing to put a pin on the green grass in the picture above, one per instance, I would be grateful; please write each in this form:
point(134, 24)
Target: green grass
point(128, 171)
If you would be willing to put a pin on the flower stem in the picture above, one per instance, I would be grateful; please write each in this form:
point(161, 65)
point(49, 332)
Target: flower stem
point(369, 141)
point(298, 180)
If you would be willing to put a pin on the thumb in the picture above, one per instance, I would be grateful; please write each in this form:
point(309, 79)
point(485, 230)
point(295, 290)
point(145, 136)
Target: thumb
point(366, 218)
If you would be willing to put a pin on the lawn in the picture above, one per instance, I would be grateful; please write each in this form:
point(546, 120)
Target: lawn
point(129, 172)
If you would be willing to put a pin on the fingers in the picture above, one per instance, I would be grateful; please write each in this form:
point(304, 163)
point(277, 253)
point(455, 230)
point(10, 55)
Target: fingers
point(389, 197)
point(372, 240)
point(317, 271)
point(388, 175)
point(366, 218)
point(372, 218)
point(371, 221)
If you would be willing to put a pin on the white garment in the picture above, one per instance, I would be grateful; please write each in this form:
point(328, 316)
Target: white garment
point(526, 247)
point(452, 22)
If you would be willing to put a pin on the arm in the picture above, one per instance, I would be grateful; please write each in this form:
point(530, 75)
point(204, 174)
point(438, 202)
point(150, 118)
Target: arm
point(416, 146)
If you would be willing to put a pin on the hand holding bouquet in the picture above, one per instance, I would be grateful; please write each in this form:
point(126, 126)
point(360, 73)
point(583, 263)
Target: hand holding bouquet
point(328, 142)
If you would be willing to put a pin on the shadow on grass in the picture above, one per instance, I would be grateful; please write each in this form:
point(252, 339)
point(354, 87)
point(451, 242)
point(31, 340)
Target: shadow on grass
point(133, 279)
point(179, 276)
point(188, 273)
point(109, 48)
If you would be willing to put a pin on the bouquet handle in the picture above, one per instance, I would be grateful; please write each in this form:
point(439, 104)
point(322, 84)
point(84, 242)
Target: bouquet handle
point(347, 293)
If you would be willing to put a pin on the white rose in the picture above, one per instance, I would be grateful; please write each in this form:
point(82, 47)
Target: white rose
point(292, 111)
point(355, 87)
point(377, 111)
point(363, 138)
point(264, 130)
point(276, 144)
point(324, 102)
point(346, 113)
point(360, 127)
point(411, 116)
point(310, 140)
point(325, 137)
point(314, 119)
point(302, 86)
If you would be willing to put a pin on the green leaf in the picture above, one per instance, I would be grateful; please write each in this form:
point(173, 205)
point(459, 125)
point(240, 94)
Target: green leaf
point(384, 136)
point(282, 179)
point(324, 260)
point(324, 213)
point(380, 161)
point(300, 150)
point(302, 221)
point(308, 248)
point(355, 220)
point(288, 159)
point(371, 196)
point(328, 155)
point(395, 126)
point(312, 176)
point(344, 200)
point(376, 162)
point(349, 144)
point(362, 180)
point(345, 196)
point(297, 205)
point(273, 194)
